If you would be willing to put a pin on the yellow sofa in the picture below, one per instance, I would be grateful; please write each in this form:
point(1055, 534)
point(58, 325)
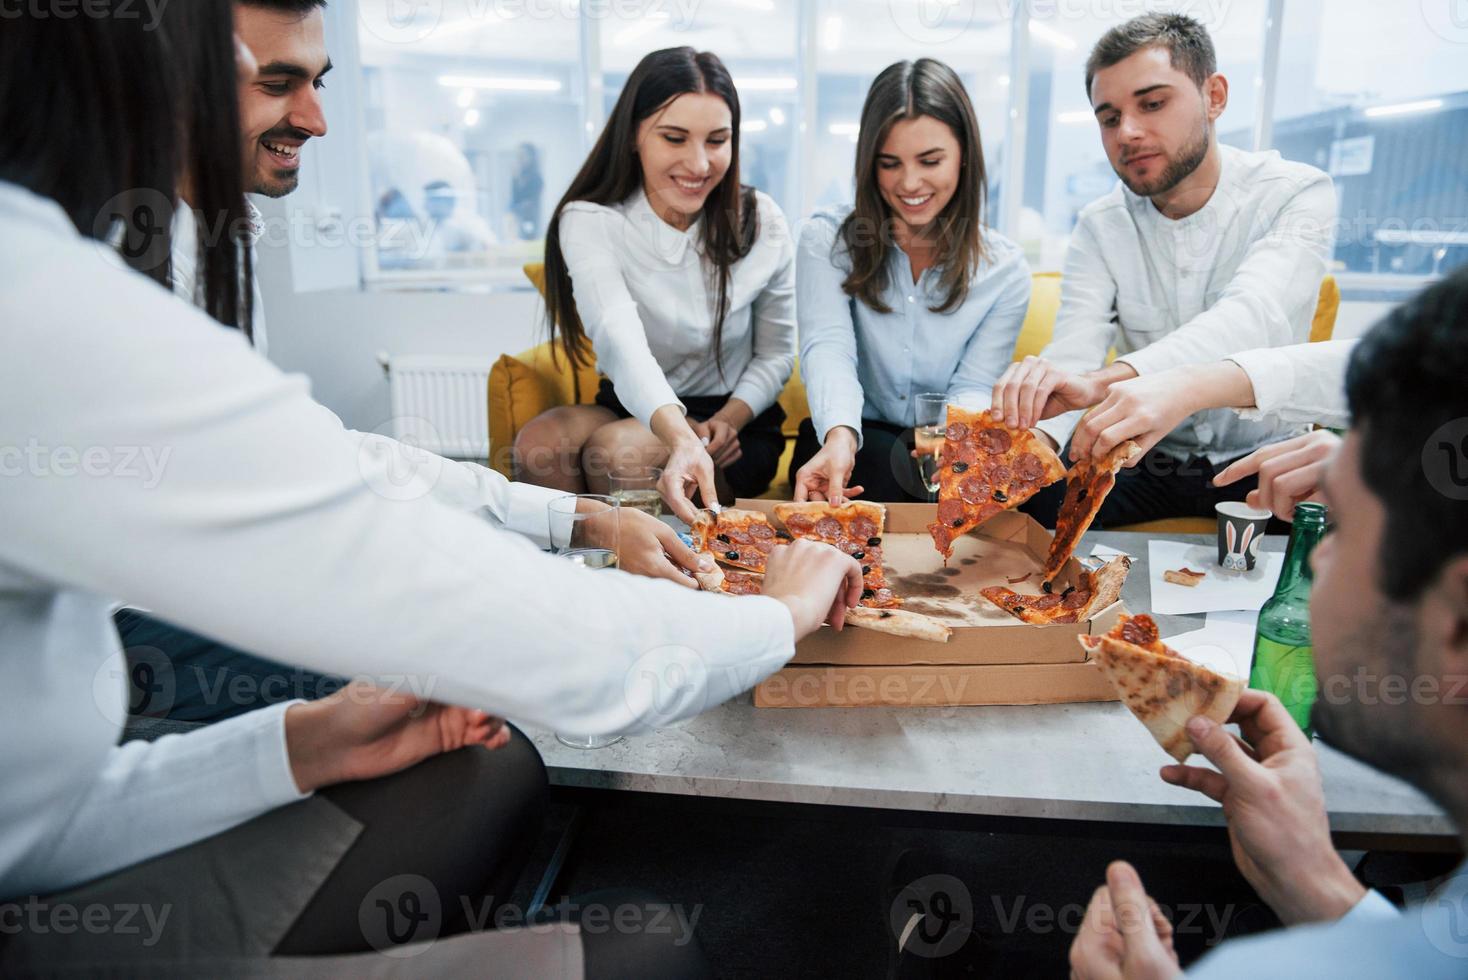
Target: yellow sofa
point(521, 386)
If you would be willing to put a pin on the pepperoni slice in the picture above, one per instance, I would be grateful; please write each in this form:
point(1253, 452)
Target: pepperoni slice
point(994, 441)
point(829, 528)
point(956, 432)
point(1140, 630)
point(1000, 475)
point(751, 556)
point(964, 453)
point(1076, 599)
point(735, 533)
point(1029, 468)
point(975, 490)
point(1047, 601)
point(950, 511)
point(799, 524)
point(761, 532)
point(863, 528)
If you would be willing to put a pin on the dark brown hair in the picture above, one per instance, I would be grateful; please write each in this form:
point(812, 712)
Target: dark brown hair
point(613, 173)
point(1185, 39)
point(908, 90)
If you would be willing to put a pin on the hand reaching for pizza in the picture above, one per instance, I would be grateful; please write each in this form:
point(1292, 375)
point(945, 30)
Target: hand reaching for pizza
point(1124, 935)
point(1143, 409)
point(815, 581)
point(826, 475)
point(1289, 471)
point(1269, 785)
point(651, 548)
point(1035, 389)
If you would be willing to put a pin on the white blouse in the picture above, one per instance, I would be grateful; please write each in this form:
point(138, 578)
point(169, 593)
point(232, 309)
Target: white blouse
point(148, 453)
point(647, 300)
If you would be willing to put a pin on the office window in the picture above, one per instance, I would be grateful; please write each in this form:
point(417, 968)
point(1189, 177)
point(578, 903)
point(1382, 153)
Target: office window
point(757, 40)
point(1065, 166)
point(473, 125)
point(855, 39)
point(1381, 102)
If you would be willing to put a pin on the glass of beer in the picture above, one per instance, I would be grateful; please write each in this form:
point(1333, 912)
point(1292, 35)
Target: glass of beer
point(928, 435)
point(585, 529)
point(636, 487)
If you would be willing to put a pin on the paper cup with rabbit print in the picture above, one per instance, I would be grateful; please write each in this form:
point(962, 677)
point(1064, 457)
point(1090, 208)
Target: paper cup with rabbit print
point(1240, 529)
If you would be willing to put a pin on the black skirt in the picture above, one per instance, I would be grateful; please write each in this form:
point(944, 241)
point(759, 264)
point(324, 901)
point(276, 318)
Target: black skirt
point(761, 441)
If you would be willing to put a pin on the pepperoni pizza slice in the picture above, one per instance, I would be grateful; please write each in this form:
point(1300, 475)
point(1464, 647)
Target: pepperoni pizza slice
point(987, 468)
point(1086, 487)
point(1162, 688)
point(1096, 591)
point(738, 538)
point(854, 528)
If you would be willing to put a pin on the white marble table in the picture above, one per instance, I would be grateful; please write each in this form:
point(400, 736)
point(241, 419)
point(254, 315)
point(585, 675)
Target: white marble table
point(1088, 762)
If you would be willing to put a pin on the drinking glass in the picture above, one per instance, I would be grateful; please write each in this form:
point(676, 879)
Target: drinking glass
point(585, 529)
point(928, 435)
point(636, 488)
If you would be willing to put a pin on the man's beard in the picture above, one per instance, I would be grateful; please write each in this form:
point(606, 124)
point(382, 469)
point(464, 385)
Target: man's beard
point(1363, 717)
point(1190, 158)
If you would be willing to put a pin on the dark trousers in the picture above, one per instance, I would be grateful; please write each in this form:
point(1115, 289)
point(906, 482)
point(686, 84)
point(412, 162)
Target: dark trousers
point(183, 676)
point(1158, 487)
point(884, 466)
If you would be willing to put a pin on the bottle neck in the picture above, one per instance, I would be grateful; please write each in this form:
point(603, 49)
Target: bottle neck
point(1296, 575)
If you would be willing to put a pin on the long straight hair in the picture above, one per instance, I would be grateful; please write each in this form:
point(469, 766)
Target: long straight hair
point(91, 109)
point(613, 173)
point(909, 90)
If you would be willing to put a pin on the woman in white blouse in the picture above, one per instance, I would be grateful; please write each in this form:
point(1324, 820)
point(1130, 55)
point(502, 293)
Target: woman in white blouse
point(681, 282)
point(903, 293)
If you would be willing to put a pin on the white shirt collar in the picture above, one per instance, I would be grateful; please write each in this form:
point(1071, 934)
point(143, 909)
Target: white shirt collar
point(670, 244)
point(20, 204)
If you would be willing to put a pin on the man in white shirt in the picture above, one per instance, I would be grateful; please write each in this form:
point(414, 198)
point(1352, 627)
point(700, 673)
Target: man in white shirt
point(1202, 251)
point(1389, 616)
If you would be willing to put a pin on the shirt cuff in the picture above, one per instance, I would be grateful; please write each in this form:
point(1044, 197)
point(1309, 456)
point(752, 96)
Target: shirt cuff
point(272, 752)
point(1148, 360)
point(527, 513)
point(1272, 376)
point(824, 426)
point(753, 394)
point(1060, 428)
point(1373, 907)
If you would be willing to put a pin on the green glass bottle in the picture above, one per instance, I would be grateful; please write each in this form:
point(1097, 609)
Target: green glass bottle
point(1283, 658)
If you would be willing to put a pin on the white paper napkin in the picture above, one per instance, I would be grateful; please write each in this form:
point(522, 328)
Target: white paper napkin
point(1220, 590)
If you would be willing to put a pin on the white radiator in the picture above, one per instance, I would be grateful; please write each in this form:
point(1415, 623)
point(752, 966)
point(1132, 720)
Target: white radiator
point(441, 403)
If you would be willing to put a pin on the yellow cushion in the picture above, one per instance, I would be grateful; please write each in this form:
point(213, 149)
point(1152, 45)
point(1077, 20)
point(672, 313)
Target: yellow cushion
point(1322, 327)
point(1040, 320)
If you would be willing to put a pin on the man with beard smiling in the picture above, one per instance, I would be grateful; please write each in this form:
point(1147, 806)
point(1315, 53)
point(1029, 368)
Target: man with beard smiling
point(280, 111)
point(1389, 613)
point(1202, 251)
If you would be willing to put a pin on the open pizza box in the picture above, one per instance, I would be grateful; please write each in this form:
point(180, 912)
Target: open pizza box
point(992, 658)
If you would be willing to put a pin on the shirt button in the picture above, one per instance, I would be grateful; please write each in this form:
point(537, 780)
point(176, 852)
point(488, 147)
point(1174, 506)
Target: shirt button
point(902, 397)
point(912, 299)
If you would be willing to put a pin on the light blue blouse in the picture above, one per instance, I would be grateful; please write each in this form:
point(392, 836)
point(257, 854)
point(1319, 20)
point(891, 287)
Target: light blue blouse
point(858, 363)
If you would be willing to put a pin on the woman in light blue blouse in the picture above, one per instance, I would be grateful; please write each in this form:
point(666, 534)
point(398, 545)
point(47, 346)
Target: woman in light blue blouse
point(905, 292)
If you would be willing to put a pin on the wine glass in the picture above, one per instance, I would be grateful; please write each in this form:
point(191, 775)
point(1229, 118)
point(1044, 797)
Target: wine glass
point(636, 487)
point(929, 431)
point(585, 529)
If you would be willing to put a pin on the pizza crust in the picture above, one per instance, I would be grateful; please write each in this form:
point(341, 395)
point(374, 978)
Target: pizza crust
point(816, 509)
point(1184, 576)
point(899, 622)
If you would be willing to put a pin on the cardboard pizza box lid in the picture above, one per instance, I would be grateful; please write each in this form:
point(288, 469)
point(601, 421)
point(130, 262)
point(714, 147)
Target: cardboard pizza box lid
point(825, 686)
point(1007, 546)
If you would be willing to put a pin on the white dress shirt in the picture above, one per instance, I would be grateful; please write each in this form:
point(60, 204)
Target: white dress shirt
point(1374, 939)
point(147, 452)
point(858, 363)
point(1299, 383)
point(647, 299)
point(1242, 272)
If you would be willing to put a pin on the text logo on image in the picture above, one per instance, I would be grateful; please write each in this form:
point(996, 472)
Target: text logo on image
point(664, 684)
point(1448, 19)
point(1445, 917)
point(932, 917)
point(401, 21)
point(396, 463)
point(132, 229)
point(1445, 459)
point(401, 916)
point(138, 682)
point(931, 21)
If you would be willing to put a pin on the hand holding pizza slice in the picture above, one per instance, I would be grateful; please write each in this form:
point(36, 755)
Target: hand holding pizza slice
point(1086, 487)
point(1160, 686)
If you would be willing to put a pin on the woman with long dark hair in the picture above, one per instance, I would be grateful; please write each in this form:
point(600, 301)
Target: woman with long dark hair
point(906, 291)
point(681, 282)
point(158, 445)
